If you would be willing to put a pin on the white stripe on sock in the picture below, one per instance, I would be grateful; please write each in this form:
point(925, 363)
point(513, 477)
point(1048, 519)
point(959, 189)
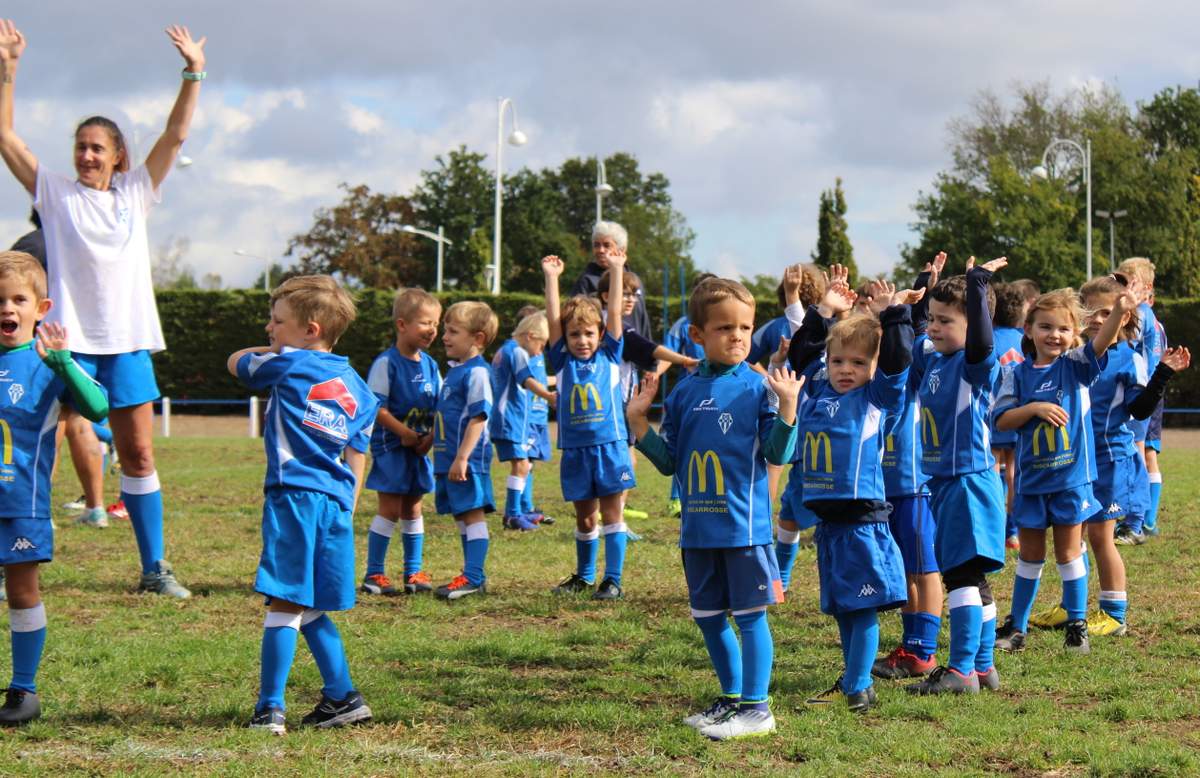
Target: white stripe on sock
point(593, 535)
point(381, 525)
point(516, 483)
point(612, 529)
point(788, 537)
point(27, 619)
point(705, 614)
point(964, 596)
point(1112, 596)
point(282, 619)
point(1030, 570)
point(145, 485)
point(477, 531)
point(989, 612)
point(413, 526)
point(1073, 570)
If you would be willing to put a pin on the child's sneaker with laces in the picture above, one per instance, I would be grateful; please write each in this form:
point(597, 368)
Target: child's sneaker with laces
point(1101, 623)
point(460, 587)
point(902, 663)
point(744, 722)
point(20, 706)
point(1008, 637)
point(271, 719)
point(946, 680)
point(989, 679)
point(1076, 639)
point(380, 584)
point(722, 707)
point(608, 590)
point(338, 713)
point(418, 583)
point(161, 580)
point(1051, 618)
point(573, 584)
point(93, 517)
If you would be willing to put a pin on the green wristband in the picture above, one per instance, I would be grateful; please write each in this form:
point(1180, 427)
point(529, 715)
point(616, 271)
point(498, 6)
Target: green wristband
point(190, 76)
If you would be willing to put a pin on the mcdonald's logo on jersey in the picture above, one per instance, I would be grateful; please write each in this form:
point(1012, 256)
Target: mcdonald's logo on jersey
point(8, 442)
point(1051, 438)
point(889, 444)
point(439, 426)
point(814, 446)
point(929, 430)
point(698, 472)
point(418, 420)
point(585, 393)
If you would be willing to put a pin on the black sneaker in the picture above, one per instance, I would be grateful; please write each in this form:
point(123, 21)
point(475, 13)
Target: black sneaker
point(1076, 640)
point(1127, 536)
point(573, 584)
point(19, 707)
point(861, 702)
point(338, 713)
point(1009, 638)
point(827, 696)
point(608, 590)
point(271, 719)
point(946, 680)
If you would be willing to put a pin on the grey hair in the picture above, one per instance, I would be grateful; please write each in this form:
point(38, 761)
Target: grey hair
point(611, 230)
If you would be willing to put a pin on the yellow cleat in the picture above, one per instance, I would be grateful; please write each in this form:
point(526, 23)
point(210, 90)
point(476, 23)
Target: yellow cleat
point(1051, 618)
point(1100, 623)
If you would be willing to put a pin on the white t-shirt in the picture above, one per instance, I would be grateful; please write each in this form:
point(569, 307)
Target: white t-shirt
point(99, 259)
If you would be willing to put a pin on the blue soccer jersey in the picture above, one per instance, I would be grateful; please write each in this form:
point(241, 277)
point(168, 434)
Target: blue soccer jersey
point(590, 409)
point(408, 389)
point(1150, 342)
point(678, 341)
point(1049, 458)
point(510, 416)
point(765, 339)
point(956, 403)
point(539, 407)
point(1121, 381)
point(318, 406)
point(1007, 344)
point(466, 394)
point(715, 428)
point(902, 473)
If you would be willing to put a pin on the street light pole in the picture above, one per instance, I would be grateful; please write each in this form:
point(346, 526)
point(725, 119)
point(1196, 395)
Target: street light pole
point(1085, 154)
point(603, 189)
point(438, 237)
point(1112, 217)
point(517, 138)
point(266, 273)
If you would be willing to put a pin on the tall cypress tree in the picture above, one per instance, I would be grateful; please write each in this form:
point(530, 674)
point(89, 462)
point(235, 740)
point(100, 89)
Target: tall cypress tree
point(833, 242)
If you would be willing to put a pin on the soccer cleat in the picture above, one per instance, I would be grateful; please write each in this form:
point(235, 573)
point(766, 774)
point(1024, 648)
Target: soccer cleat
point(573, 584)
point(20, 706)
point(827, 696)
point(946, 680)
point(162, 581)
point(1051, 618)
point(608, 590)
point(989, 680)
point(76, 505)
point(1150, 532)
point(338, 713)
point(741, 723)
point(1012, 543)
point(520, 521)
point(117, 510)
point(861, 702)
point(547, 520)
point(1101, 623)
point(271, 719)
point(1076, 639)
point(1126, 536)
point(1008, 638)
point(674, 509)
point(902, 663)
point(418, 582)
point(634, 513)
point(724, 706)
point(632, 536)
point(93, 517)
point(458, 588)
point(378, 583)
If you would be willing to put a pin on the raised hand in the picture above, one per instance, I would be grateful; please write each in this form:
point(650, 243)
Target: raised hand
point(617, 258)
point(935, 267)
point(51, 336)
point(991, 267)
point(1126, 301)
point(882, 292)
point(839, 274)
point(191, 51)
point(639, 405)
point(908, 296)
point(780, 357)
point(12, 42)
point(552, 266)
point(1177, 358)
point(793, 276)
point(785, 384)
point(839, 298)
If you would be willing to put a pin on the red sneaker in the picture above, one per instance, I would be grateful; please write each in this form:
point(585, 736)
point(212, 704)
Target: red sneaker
point(902, 664)
point(117, 510)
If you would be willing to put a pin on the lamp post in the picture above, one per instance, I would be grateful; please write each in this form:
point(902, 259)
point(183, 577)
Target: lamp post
point(1112, 217)
point(437, 237)
point(266, 273)
point(1044, 170)
point(603, 189)
point(516, 138)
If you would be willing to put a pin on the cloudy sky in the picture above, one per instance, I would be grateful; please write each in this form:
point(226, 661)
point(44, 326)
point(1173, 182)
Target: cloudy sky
point(750, 108)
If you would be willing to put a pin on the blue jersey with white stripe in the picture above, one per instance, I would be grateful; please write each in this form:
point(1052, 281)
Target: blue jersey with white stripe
point(765, 339)
point(1007, 344)
point(466, 394)
point(1049, 458)
point(408, 389)
point(678, 341)
point(1121, 381)
point(902, 474)
point(539, 407)
point(513, 402)
point(590, 408)
point(1150, 341)
point(318, 406)
point(956, 403)
point(715, 427)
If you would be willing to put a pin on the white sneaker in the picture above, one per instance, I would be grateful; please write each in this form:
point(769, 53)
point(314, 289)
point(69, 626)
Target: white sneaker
point(722, 707)
point(75, 505)
point(93, 517)
point(744, 723)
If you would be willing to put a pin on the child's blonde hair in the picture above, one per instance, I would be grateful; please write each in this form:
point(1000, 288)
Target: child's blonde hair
point(582, 311)
point(712, 291)
point(533, 324)
point(474, 317)
point(1110, 286)
point(319, 299)
point(1140, 268)
point(20, 265)
point(1065, 299)
point(860, 331)
point(409, 302)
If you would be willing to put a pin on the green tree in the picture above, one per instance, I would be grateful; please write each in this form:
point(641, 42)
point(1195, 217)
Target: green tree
point(458, 195)
point(833, 240)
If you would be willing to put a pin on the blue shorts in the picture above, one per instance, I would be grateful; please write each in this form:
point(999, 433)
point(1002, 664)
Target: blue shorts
point(1154, 428)
point(1063, 508)
point(401, 471)
point(1001, 439)
point(596, 471)
point(912, 526)
point(1140, 429)
point(128, 377)
point(791, 507)
point(510, 450)
point(537, 446)
point(968, 510)
point(1122, 489)
point(455, 498)
point(859, 566)
point(732, 579)
point(308, 550)
point(26, 540)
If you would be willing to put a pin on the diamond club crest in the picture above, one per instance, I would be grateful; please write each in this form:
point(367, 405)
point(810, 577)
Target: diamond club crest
point(934, 383)
point(726, 421)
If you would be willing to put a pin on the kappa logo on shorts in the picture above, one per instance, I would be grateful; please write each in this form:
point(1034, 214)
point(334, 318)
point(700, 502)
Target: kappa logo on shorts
point(1114, 508)
point(323, 418)
point(625, 476)
point(15, 393)
point(23, 544)
point(1086, 504)
point(725, 420)
point(866, 591)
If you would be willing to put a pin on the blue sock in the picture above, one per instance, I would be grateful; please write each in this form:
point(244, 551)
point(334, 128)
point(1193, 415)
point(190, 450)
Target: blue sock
point(512, 495)
point(1010, 526)
point(103, 432)
point(1025, 588)
point(527, 495)
point(462, 536)
point(985, 656)
point(325, 643)
point(1075, 588)
point(1134, 521)
point(674, 489)
point(143, 500)
point(922, 641)
point(723, 651)
point(587, 547)
point(758, 654)
point(1114, 603)
point(412, 537)
point(278, 651)
point(787, 545)
point(1151, 522)
point(907, 626)
point(378, 539)
point(475, 554)
point(28, 635)
point(616, 537)
point(863, 629)
point(966, 614)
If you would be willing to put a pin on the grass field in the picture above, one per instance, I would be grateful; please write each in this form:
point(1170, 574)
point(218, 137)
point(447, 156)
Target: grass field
point(524, 682)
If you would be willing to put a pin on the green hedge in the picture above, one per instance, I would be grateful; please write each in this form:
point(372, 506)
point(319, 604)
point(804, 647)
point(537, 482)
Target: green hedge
point(1181, 319)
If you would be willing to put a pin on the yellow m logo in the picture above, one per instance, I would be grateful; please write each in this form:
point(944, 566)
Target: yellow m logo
point(814, 446)
point(439, 426)
point(889, 444)
point(698, 472)
point(929, 430)
point(583, 393)
point(7, 432)
point(1050, 430)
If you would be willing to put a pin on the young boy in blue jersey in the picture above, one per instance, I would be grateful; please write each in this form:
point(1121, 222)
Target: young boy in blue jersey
point(319, 411)
point(514, 387)
point(585, 355)
point(720, 427)
point(957, 369)
point(1007, 321)
point(462, 453)
point(1139, 272)
point(36, 375)
point(406, 381)
point(1154, 440)
point(537, 445)
point(1046, 399)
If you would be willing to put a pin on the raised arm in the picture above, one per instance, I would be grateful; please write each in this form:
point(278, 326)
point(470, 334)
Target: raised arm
point(979, 318)
point(162, 156)
point(17, 156)
point(616, 291)
point(552, 268)
point(1126, 303)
